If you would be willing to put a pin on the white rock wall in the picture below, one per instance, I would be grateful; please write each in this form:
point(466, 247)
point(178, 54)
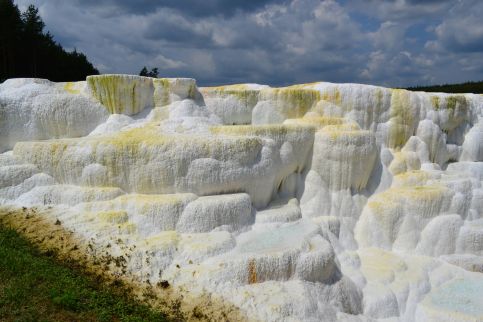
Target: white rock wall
point(310, 202)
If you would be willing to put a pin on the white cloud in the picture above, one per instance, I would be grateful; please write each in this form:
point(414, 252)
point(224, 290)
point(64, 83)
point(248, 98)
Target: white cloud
point(395, 43)
point(462, 30)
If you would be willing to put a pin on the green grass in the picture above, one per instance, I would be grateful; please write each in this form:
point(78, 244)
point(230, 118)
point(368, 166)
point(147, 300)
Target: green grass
point(35, 287)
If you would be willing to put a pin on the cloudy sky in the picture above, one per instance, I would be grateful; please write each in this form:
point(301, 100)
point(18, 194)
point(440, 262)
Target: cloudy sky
point(277, 42)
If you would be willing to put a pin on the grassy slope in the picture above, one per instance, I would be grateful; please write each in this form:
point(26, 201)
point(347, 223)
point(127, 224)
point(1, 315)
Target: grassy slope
point(34, 287)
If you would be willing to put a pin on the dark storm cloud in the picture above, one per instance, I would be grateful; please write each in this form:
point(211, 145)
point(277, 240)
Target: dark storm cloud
point(394, 43)
point(194, 8)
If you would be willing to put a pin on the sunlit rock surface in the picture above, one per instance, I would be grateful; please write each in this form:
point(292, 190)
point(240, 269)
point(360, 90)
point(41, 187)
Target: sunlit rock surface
point(305, 203)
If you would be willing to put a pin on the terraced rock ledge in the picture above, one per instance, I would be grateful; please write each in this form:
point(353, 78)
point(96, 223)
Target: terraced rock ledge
point(244, 202)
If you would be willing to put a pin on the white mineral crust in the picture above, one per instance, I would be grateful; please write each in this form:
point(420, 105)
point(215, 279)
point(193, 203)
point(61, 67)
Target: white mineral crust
point(304, 203)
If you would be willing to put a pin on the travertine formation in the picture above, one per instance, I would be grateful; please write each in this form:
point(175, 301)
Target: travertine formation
point(304, 203)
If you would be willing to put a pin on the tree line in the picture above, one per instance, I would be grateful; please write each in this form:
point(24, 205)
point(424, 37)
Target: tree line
point(27, 51)
point(468, 87)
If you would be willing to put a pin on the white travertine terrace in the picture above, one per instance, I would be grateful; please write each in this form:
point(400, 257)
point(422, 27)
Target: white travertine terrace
point(305, 203)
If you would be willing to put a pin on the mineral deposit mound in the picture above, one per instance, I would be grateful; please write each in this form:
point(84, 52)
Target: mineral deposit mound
point(313, 202)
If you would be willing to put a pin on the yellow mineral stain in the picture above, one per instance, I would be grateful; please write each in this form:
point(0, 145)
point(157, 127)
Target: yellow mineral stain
point(411, 178)
point(380, 265)
point(70, 88)
point(119, 93)
point(113, 216)
point(435, 102)
point(402, 119)
point(316, 121)
point(252, 271)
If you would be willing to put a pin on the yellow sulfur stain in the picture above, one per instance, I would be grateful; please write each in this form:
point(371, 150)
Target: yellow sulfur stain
point(316, 121)
point(417, 193)
point(292, 101)
point(113, 216)
point(456, 101)
point(154, 199)
point(162, 240)
point(404, 161)
point(296, 101)
point(70, 88)
point(127, 228)
point(121, 94)
point(332, 96)
point(242, 92)
point(304, 86)
point(411, 178)
point(435, 102)
point(233, 87)
point(258, 130)
point(379, 265)
point(402, 119)
point(131, 157)
point(161, 95)
point(345, 132)
point(423, 201)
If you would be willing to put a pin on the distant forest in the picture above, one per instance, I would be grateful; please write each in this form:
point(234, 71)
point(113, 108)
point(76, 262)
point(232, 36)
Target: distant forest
point(468, 87)
point(27, 51)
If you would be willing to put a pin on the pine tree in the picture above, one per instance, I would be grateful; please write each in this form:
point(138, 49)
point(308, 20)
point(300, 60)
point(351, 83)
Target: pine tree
point(10, 35)
point(143, 72)
point(152, 73)
point(33, 27)
point(27, 51)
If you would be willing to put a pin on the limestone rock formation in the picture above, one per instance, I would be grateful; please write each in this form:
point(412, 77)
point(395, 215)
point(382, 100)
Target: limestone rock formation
point(305, 203)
